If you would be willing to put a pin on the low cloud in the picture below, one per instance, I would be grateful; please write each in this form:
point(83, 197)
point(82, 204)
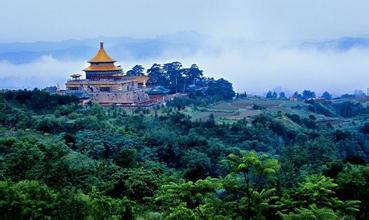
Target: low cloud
point(251, 67)
point(46, 71)
point(258, 67)
point(255, 69)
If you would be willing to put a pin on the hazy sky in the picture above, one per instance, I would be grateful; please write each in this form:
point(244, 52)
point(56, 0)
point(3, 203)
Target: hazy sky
point(262, 62)
point(31, 20)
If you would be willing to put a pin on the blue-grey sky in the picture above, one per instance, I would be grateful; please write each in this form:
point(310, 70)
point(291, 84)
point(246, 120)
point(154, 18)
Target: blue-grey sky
point(24, 20)
point(257, 43)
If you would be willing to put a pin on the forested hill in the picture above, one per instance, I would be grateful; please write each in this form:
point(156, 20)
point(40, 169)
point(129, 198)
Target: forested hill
point(61, 160)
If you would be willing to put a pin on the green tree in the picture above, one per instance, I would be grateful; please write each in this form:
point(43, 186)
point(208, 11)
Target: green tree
point(220, 89)
point(319, 192)
point(326, 95)
point(157, 75)
point(255, 168)
point(249, 182)
point(185, 196)
point(307, 94)
point(353, 183)
point(311, 213)
point(137, 70)
point(182, 212)
point(26, 200)
point(282, 96)
point(193, 74)
point(176, 75)
point(126, 158)
point(22, 159)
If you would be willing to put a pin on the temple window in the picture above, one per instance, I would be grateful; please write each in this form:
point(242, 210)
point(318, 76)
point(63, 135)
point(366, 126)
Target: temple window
point(105, 89)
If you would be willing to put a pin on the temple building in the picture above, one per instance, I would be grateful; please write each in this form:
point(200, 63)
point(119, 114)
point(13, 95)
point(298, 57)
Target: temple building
point(106, 83)
point(102, 66)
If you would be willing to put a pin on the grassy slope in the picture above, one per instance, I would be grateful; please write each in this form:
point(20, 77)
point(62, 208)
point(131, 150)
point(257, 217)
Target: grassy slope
point(243, 108)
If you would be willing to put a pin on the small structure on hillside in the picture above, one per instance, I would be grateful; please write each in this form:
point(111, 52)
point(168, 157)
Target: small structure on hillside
point(106, 83)
point(158, 90)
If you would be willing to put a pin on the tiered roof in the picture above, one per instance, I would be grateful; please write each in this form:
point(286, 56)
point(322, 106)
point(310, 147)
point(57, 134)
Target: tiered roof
point(102, 62)
point(101, 56)
point(111, 67)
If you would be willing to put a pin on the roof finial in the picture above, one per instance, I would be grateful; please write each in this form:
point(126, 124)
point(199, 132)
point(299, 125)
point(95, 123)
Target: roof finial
point(101, 45)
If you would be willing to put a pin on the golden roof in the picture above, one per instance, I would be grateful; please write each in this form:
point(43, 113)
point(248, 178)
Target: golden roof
point(101, 56)
point(102, 68)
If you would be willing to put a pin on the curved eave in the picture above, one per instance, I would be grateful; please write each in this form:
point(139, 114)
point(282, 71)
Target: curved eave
point(103, 68)
point(94, 61)
point(87, 70)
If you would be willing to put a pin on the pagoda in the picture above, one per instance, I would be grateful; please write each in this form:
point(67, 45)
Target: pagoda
point(106, 83)
point(102, 66)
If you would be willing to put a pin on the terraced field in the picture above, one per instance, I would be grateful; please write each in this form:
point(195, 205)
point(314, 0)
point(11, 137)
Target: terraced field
point(247, 108)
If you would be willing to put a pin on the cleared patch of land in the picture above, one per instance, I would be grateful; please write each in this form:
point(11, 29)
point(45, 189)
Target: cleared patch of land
point(239, 109)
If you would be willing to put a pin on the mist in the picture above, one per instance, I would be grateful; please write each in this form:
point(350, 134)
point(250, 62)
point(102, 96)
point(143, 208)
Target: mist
point(261, 67)
point(258, 45)
point(41, 73)
point(252, 67)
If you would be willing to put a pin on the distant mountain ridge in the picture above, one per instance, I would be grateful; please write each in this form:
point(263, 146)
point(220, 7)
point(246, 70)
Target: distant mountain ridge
point(123, 48)
point(119, 47)
point(341, 44)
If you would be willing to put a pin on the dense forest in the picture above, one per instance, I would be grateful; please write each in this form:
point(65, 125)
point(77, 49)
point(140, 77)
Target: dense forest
point(59, 159)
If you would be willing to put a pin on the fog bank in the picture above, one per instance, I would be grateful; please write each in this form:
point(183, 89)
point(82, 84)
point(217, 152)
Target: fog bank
point(252, 67)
